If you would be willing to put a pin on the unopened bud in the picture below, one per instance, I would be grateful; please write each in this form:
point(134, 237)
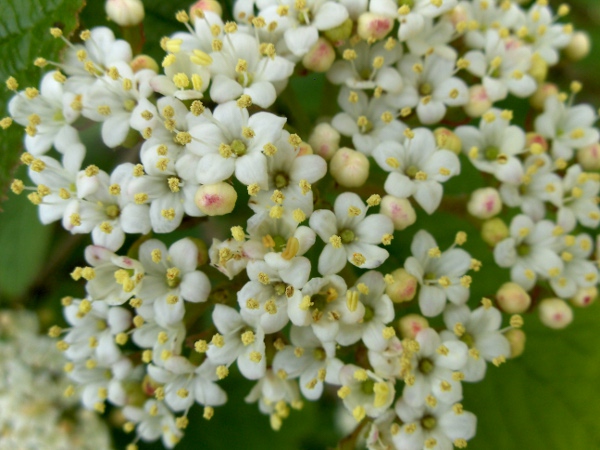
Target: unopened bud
point(516, 339)
point(141, 62)
point(325, 140)
point(206, 5)
point(404, 287)
point(555, 313)
point(579, 47)
point(374, 26)
point(479, 102)
point(448, 140)
point(349, 168)
point(538, 99)
point(585, 296)
point(494, 231)
point(399, 210)
point(538, 69)
point(125, 13)
point(216, 199)
point(589, 157)
point(341, 32)
point(320, 57)
point(411, 324)
point(534, 139)
point(513, 299)
point(484, 203)
point(305, 149)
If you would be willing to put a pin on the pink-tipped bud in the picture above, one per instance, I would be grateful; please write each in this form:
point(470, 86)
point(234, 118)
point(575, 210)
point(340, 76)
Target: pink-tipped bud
point(349, 168)
point(516, 340)
point(536, 141)
point(579, 47)
point(410, 325)
point(373, 26)
point(589, 157)
point(399, 210)
point(538, 99)
point(555, 313)
point(479, 102)
point(305, 149)
point(512, 298)
point(141, 62)
point(585, 297)
point(404, 287)
point(125, 13)
point(447, 139)
point(325, 140)
point(216, 199)
point(206, 5)
point(484, 203)
point(320, 57)
point(494, 231)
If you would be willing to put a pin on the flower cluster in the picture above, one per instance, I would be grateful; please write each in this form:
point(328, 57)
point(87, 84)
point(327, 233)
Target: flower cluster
point(281, 240)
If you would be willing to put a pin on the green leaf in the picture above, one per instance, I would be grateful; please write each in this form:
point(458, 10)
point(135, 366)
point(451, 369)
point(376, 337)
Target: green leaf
point(24, 36)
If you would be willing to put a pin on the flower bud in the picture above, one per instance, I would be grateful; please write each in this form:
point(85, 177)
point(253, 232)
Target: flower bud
point(589, 157)
point(404, 287)
point(494, 231)
point(325, 140)
point(373, 26)
point(125, 13)
point(538, 99)
point(206, 5)
point(538, 69)
point(399, 210)
point(340, 33)
point(516, 339)
point(304, 149)
point(479, 102)
point(349, 168)
point(484, 203)
point(320, 57)
point(585, 297)
point(579, 47)
point(410, 325)
point(555, 313)
point(512, 298)
point(532, 138)
point(448, 140)
point(141, 62)
point(216, 199)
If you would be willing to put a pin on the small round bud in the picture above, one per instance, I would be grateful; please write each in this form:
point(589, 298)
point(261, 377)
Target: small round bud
point(579, 47)
point(589, 157)
point(494, 231)
point(448, 140)
point(305, 149)
point(404, 287)
point(141, 62)
point(512, 298)
point(399, 210)
point(349, 168)
point(585, 297)
point(479, 102)
point(538, 69)
point(206, 5)
point(410, 325)
point(341, 32)
point(535, 140)
point(320, 57)
point(325, 140)
point(216, 199)
point(125, 13)
point(516, 339)
point(374, 26)
point(543, 91)
point(484, 203)
point(555, 313)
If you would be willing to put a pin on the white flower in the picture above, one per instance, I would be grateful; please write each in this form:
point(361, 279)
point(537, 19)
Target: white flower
point(350, 235)
point(154, 420)
point(417, 168)
point(429, 85)
point(580, 205)
point(186, 76)
point(231, 256)
point(364, 393)
point(435, 35)
point(479, 329)
point(530, 251)
point(486, 14)
point(441, 275)
point(578, 272)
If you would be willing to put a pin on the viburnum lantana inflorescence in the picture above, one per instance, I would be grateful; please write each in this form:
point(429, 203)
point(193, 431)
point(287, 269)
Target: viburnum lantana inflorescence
point(280, 266)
